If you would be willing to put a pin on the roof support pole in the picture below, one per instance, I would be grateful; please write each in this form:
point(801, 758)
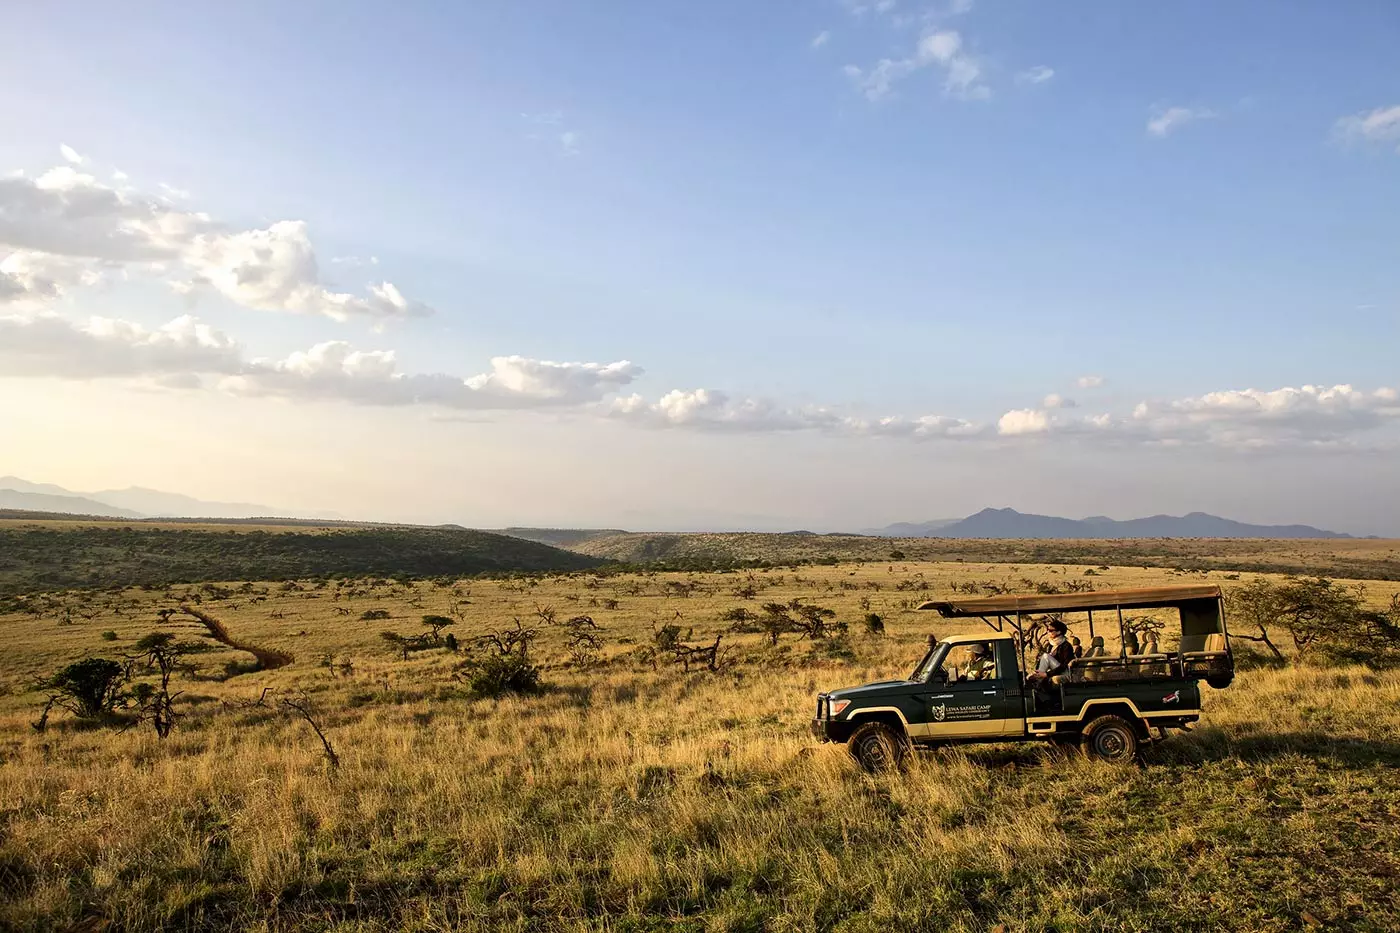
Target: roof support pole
point(1091, 625)
point(1122, 636)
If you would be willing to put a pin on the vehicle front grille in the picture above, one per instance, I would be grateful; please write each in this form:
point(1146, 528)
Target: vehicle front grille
point(821, 705)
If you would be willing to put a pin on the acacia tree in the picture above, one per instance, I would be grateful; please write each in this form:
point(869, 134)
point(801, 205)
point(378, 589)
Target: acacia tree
point(159, 651)
point(1318, 614)
point(92, 688)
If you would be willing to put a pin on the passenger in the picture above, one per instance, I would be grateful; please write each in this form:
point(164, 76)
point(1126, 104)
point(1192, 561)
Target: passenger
point(1078, 646)
point(1058, 654)
point(981, 667)
point(1055, 661)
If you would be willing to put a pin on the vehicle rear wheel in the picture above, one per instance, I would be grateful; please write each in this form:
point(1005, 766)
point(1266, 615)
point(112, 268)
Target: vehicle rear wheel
point(878, 748)
point(1110, 738)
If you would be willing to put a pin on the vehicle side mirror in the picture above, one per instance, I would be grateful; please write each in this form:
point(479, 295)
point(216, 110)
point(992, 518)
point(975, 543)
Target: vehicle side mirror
point(940, 676)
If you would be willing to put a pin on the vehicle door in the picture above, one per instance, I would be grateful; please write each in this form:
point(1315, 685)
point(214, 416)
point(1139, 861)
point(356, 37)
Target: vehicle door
point(960, 707)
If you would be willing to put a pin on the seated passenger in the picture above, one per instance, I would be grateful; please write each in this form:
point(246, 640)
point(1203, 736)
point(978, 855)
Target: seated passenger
point(981, 667)
point(1058, 654)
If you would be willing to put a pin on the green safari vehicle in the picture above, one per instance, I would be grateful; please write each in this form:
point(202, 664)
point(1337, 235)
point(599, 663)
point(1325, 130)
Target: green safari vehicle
point(1108, 705)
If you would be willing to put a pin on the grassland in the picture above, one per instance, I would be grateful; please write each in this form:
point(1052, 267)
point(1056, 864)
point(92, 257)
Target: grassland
point(634, 796)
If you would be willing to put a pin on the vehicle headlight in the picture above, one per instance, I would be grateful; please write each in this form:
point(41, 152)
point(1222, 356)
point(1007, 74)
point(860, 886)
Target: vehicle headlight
point(835, 708)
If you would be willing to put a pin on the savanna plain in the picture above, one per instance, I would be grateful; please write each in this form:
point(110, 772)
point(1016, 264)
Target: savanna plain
point(642, 786)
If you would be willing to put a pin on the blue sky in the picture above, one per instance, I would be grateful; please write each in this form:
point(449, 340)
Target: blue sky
point(1179, 199)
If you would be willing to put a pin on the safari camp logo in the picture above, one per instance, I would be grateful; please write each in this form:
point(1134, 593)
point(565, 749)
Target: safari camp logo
point(942, 712)
point(1173, 697)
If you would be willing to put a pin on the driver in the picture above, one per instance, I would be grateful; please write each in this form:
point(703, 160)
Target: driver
point(981, 667)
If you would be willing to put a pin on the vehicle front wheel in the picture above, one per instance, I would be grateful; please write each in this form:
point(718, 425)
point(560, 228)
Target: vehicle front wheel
point(877, 748)
point(1110, 738)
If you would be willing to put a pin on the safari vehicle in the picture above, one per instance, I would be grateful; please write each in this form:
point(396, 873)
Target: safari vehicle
point(1106, 705)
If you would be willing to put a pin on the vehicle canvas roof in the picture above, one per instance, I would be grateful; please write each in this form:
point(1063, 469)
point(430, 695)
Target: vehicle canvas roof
point(1147, 597)
point(983, 637)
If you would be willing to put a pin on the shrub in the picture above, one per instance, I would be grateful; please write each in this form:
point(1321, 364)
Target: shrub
point(89, 689)
point(874, 624)
point(896, 554)
point(109, 635)
point(371, 615)
point(494, 675)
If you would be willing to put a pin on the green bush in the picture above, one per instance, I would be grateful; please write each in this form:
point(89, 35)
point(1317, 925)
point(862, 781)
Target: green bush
point(109, 635)
point(89, 689)
point(494, 675)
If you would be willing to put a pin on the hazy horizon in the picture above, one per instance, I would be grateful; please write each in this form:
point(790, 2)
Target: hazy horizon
point(275, 510)
point(827, 267)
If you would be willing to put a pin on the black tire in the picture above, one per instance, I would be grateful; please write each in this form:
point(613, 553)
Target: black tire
point(1110, 738)
point(878, 748)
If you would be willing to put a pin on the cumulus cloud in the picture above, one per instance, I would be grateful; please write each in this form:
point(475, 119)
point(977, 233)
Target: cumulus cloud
point(713, 410)
point(70, 214)
point(70, 154)
point(942, 48)
point(1037, 75)
point(1381, 125)
point(336, 371)
point(275, 270)
point(180, 353)
point(821, 39)
point(47, 345)
point(1055, 400)
point(1251, 417)
point(1089, 382)
point(1165, 121)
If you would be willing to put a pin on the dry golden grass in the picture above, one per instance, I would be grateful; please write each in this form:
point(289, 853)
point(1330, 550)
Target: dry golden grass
point(633, 798)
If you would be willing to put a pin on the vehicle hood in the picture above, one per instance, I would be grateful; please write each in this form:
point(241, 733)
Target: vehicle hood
point(882, 689)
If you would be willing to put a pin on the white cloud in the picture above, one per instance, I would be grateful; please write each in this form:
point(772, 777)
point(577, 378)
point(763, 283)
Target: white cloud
point(35, 345)
point(713, 410)
point(46, 345)
point(67, 213)
point(1252, 417)
point(569, 142)
point(821, 39)
point(1170, 119)
point(70, 154)
point(30, 279)
point(1055, 400)
point(336, 371)
point(1089, 382)
point(355, 262)
point(1379, 125)
point(1037, 75)
point(942, 48)
point(1023, 421)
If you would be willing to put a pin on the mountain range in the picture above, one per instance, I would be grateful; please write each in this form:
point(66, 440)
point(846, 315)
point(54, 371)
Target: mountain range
point(132, 502)
point(1009, 523)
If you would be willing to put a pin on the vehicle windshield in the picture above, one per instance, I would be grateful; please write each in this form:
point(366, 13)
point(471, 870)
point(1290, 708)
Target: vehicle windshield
point(947, 662)
point(931, 661)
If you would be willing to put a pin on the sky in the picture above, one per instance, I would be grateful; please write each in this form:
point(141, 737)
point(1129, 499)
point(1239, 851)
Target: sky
point(723, 265)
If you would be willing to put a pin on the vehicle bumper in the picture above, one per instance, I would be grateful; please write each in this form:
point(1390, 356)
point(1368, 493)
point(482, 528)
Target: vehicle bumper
point(821, 729)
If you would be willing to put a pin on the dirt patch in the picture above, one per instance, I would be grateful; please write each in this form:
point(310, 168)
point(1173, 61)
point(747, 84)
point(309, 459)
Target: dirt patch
point(268, 658)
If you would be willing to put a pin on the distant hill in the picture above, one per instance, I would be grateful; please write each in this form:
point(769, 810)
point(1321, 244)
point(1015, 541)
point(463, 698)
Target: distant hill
point(70, 504)
point(560, 537)
point(80, 555)
point(911, 529)
point(135, 502)
point(1009, 523)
